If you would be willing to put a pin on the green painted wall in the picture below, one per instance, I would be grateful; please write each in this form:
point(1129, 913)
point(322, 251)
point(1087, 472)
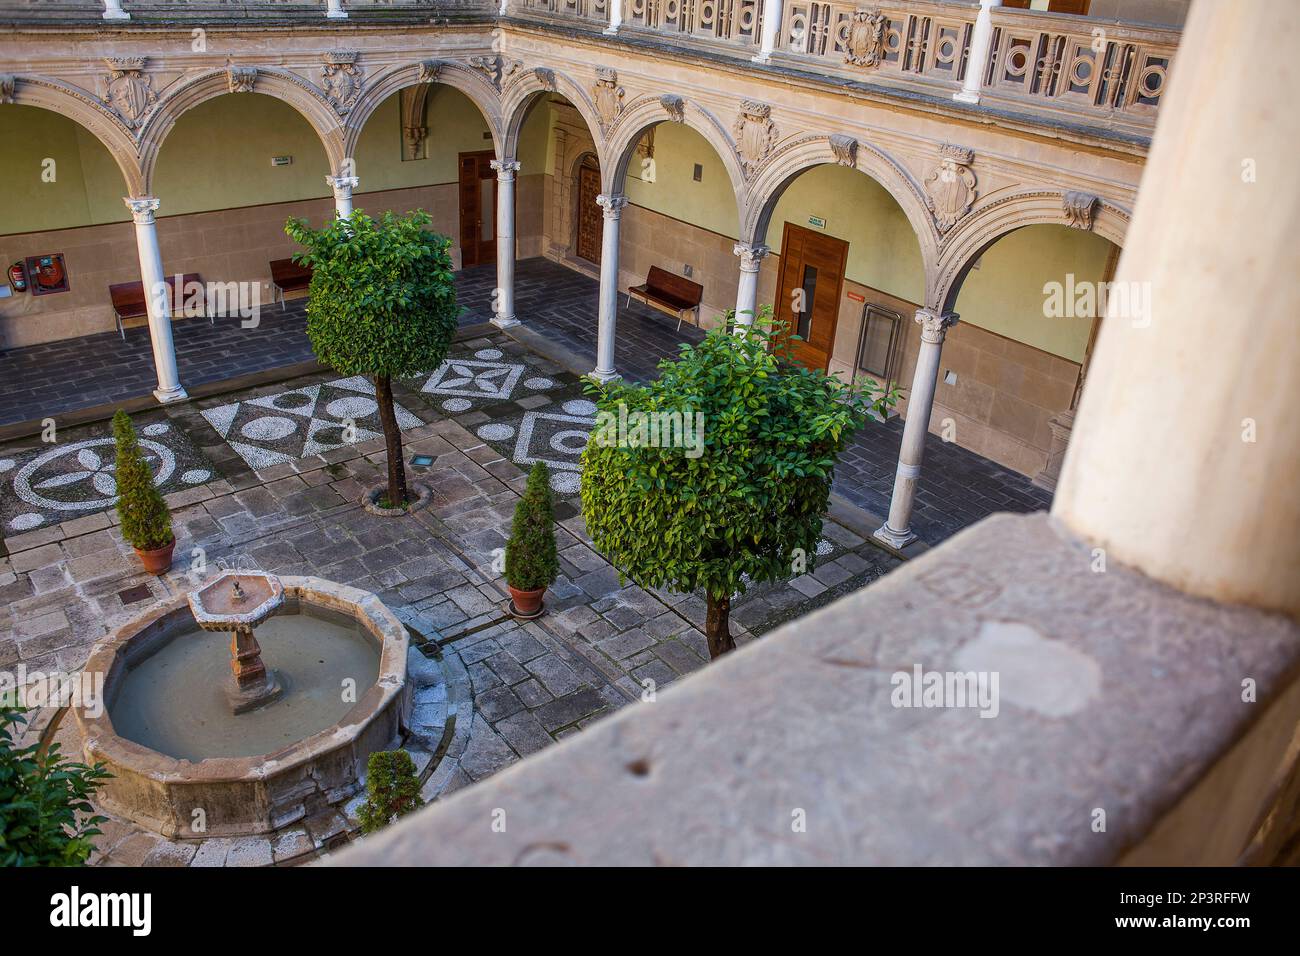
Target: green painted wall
point(709, 203)
point(82, 165)
point(218, 156)
point(1005, 294)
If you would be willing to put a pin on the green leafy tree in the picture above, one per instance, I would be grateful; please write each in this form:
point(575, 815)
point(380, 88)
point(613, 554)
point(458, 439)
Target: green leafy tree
point(146, 522)
point(383, 304)
point(746, 505)
point(530, 552)
point(46, 818)
point(392, 789)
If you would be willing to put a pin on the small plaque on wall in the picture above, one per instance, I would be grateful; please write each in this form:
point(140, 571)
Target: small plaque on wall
point(47, 274)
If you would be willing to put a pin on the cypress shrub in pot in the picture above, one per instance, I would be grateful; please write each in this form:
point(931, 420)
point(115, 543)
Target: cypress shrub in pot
point(146, 522)
point(531, 564)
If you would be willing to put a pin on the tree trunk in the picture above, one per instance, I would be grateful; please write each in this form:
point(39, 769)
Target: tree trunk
point(717, 626)
point(392, 442)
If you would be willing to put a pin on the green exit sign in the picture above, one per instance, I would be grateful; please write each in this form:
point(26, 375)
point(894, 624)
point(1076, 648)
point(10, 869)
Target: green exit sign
point(817, 221)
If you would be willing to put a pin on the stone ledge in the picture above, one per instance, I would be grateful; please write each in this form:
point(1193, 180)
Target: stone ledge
point(1116, 693)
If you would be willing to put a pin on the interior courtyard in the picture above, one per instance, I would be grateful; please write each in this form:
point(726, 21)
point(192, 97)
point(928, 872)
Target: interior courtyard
point(981, 205)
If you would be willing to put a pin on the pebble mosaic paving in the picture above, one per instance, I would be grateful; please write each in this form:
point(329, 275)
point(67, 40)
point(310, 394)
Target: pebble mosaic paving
point(48, 483)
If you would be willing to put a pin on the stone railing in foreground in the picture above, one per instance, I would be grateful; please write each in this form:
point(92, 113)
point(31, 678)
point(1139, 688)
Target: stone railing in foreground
point(1119, 706)
point(1145, 636)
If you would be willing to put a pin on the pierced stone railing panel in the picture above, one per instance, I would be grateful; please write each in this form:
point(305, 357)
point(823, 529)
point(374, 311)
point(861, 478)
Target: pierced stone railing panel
point(920, 43)
point(731, 21)
point(596, 11)
point(1090, 67)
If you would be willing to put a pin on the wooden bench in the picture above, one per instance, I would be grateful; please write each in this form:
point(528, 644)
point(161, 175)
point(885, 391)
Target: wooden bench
point(129, 304)
point(288, 276)
point(669, 293)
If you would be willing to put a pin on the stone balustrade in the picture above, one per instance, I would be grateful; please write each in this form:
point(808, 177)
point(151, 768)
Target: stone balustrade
point(1098, 72)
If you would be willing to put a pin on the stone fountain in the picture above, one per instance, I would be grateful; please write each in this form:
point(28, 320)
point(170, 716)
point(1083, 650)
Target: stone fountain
point(238, 602)
point(250, 735)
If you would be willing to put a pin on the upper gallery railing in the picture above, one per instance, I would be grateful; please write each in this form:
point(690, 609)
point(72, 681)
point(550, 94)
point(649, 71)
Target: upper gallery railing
point(1094, 69)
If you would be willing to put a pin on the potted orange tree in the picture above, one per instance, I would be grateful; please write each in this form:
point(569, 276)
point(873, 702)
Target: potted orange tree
point(146, 522)
point(531, 564)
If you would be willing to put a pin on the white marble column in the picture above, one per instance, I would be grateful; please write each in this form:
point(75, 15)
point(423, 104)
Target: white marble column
point(342, 186)
point(613, 207)
point(1185, 450)
point(980, 41)
point(157, 298)
point(113, 10)
point(751, 260)
point(334, 10)
point(896, 530)
point(771, 27)
point(505, 294)
point(615, 16)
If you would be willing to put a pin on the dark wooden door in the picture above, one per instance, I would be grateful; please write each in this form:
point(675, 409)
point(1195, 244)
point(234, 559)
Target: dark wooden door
point(478, 208)
point(808, 295)
point(591, 219)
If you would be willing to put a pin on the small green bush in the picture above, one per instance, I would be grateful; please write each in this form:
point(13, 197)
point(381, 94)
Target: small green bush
point(530, 553)
point(146, 522)
point(392, 789)
point(46, 818)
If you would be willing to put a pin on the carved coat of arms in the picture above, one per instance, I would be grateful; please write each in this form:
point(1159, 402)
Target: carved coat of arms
point(608, 96)
point(950, 187)
point(129, 90)
point(342, 78)
point(755, 133)
point(864, 41)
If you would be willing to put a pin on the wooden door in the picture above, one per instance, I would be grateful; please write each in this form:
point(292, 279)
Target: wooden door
point(808, 295)
point(591, 219)
point(478, 209)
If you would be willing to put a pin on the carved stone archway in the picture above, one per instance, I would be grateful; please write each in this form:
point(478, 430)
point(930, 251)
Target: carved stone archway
point(471, 82)
point(1005, 213)
point(86, 110)
point(190, 91)
point(649, 111)
point(526, 87)
point(794, 157)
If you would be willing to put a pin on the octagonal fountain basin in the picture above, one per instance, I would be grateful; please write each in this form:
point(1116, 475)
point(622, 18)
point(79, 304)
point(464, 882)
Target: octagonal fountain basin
point(246, 706)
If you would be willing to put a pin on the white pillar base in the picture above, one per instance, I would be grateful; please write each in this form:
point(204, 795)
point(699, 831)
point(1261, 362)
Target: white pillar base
point(167, 396)
point(604, 377)
point(964, 97)
point(505, 321)
point(116, 15)
point(895, 539)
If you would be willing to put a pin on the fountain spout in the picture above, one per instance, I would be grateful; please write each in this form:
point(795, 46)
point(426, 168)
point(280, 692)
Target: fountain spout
point(238, 602)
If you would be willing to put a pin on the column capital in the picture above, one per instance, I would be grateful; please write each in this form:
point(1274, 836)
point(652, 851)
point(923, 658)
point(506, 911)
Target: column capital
point(506, 168)
point(142, 208)
point(613, 205)
point(342, 185)
point(751, 256)
point(935, 325)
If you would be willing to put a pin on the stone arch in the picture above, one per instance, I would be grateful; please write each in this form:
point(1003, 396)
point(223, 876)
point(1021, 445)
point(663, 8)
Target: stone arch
point(471, 82)
point(1000, 215)
point(793, 158)
point(526, 88)
point(643, 113)
point(279, 84)
point(87, 111)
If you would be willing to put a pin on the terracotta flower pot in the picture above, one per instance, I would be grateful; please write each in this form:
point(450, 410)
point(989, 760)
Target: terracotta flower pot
point(159, 560)
point(526, 603)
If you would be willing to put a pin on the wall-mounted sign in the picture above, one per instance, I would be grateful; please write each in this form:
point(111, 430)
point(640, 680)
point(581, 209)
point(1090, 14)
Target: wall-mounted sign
point(281, 160)
point(857, 297)
point(817, 222)
point(47, 274)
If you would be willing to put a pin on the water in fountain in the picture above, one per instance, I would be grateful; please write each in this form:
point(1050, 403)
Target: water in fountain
point(175, 700)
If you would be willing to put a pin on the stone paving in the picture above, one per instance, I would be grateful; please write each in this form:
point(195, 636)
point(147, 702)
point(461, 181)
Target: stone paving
point(493, 689)
point(956, 489)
